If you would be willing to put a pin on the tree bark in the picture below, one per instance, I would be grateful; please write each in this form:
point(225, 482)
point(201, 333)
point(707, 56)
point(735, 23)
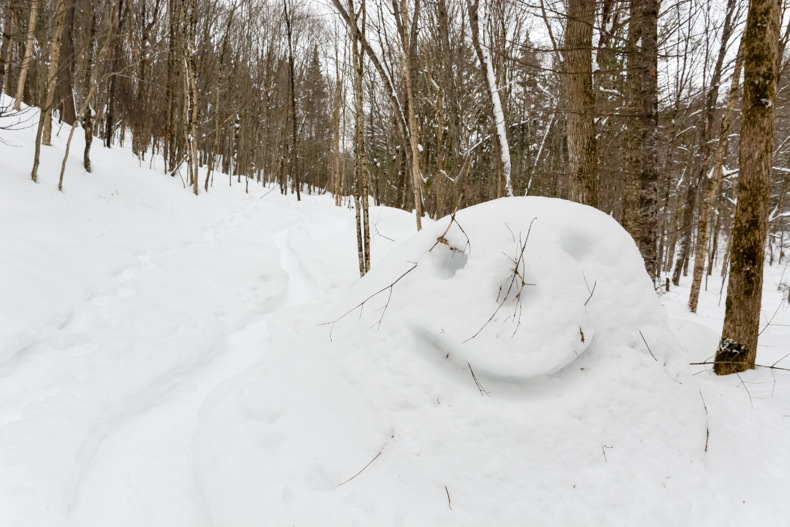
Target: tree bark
point(633, 139)
point(706, 207)
point(648, 198)
point(582, 145)
point(52, 73)
point(8, 19)
point(31, 33)
point(737, 350)
point(408, 67)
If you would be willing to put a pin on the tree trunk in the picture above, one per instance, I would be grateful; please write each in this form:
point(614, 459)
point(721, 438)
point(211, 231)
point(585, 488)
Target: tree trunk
point(582, 145)
point(291, 88)
point(360, 158)
point(408, 67)
point(8, 19)
point(633, 139)
point(648, 198)
point(65, 75)
point(31, 33)
point(52, 73)
point(737, 350)
point(706, 207)
point(493, 92)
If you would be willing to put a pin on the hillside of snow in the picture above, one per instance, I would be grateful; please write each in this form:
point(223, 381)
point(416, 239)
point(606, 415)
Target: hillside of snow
point(172, 360)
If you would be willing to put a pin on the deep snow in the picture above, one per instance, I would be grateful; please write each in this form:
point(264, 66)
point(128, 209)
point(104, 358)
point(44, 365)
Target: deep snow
point(165, 360)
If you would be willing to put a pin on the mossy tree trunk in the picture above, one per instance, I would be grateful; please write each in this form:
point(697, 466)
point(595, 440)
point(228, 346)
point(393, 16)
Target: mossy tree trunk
point(738, 347)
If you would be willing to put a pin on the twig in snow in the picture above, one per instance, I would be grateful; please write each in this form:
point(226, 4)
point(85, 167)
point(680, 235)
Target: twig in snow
point(362, 304)
point(448, 497)
point(369, 463)
point(751, 403)
point(772, 317)
point(603, 450)
point(518, 262)
point(363, 468)
point(267, 193)
point(443, 240)
point(707, 428)
point(483, 391)
point(648, 347)
point(592, 291)
point(707, 363)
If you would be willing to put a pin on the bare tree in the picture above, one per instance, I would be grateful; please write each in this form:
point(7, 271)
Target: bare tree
point(487, 67)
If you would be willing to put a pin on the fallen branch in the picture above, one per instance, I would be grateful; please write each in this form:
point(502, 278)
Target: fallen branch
point(483, 391)
point(648, 347)
point(707, 428)
point(369, 463)
point(603, 450)
point(518, 262)
point(362, 304)
point(441, 239)
point(448, 497)
point(363, 468)
point(711, 363)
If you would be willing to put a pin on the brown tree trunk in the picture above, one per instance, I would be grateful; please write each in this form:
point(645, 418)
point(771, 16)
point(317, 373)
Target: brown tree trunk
point(633, 139)
point(737, 350)
point(582, 145)
point(648, 199)
point(294, 161)
point(31, 32)
point(706, 207)
point(8, 20)
point(52, 73)
point(65, 75)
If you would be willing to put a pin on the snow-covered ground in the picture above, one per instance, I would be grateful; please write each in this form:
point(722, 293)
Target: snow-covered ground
point(165, 360)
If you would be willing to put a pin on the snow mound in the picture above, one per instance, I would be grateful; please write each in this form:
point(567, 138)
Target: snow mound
point(516, 287)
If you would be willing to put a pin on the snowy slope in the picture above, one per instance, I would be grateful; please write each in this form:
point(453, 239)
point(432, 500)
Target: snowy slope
point(163, 362)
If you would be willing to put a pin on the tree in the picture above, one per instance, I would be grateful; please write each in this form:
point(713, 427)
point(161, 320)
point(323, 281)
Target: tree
point(737, 349)
point(487, 67)
point(648, 197)
point(582, 147)
point(31, 33)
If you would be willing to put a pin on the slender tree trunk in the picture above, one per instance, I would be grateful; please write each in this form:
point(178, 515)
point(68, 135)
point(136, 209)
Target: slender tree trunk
point(88, 119)
point(8, 19)
point(738, 347)
point(360, 158)
point(292, 89)
point(52, 73)
point(648, 198)
point(407, 65)
point(191, 79)
point(706, 207)
point(493, 92)
point(31, 33)
point(65, 75)
point(633, 139)
point(582, 145)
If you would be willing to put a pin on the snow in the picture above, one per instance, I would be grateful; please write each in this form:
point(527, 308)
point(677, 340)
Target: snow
point(165, 359)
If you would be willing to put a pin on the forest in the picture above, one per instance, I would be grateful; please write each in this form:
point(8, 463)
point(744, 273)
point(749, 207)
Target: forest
point(630, 106)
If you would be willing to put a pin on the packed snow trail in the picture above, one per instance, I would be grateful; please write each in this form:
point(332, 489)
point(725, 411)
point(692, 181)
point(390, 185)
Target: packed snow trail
point(123, 373)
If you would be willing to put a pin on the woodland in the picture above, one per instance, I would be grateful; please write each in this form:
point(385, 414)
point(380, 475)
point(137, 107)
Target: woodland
point(670, 117)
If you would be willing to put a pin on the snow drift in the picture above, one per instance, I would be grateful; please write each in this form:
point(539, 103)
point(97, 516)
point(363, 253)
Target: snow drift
point(454, 420)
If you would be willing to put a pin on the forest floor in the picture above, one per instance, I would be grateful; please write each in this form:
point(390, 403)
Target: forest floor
point(163, 362)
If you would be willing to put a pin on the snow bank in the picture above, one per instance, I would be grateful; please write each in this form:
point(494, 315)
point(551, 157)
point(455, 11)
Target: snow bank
point(550, 428)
